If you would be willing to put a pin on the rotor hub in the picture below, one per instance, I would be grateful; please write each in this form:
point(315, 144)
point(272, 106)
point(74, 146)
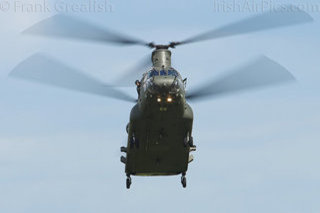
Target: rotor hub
point(162, 46)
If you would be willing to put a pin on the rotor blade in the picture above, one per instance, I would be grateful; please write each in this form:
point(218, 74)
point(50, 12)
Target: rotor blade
point(45, 70)
point(284, 16)
point(68, 27)
point(259, 73)
point(134, 73)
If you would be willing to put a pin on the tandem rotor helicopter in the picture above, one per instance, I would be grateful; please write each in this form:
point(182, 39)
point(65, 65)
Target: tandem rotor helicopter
point(160, 128)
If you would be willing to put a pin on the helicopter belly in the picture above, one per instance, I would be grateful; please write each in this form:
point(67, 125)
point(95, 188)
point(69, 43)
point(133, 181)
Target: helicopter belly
point(156, 142)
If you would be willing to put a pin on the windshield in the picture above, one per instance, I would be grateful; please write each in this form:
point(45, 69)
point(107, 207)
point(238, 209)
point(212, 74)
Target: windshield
point(170, 72)
point(153, 73)
point(170, 85)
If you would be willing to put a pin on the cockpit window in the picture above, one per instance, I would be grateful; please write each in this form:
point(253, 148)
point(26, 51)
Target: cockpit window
point(170, 72)
point(163, 72)
point(153, 73)
point(173, 72)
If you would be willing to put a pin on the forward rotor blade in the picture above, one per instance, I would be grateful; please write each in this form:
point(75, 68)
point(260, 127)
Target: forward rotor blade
point(284, 16)
point(68, 27)
point(261, 72)
point(45, 70)
point(134, 73)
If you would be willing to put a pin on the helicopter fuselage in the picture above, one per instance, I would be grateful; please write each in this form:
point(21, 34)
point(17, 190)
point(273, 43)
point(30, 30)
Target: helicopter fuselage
point(160, 127)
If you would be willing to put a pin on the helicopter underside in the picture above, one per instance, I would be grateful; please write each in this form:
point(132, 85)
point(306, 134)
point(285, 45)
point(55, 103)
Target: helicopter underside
point(158, 142)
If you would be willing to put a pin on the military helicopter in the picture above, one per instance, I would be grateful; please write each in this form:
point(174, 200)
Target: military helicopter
point(160, 127)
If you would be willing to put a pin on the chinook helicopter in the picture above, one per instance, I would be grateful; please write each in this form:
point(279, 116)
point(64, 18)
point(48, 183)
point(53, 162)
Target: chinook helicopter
point(160, 128)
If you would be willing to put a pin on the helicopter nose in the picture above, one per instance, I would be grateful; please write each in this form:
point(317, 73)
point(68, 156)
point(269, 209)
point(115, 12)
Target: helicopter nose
point(163, 81)
point(163, 84)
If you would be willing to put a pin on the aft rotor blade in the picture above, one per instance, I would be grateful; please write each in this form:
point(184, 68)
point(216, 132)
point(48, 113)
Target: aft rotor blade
point(46, 70)
point(134, 73)
point(261, 72)
point(284, 16)
point(71, 28)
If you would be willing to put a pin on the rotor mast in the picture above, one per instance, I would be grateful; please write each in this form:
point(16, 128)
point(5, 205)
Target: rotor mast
point(161, 58)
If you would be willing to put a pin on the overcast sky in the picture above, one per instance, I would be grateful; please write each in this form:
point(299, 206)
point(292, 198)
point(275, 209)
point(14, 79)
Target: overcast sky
point(257, 151)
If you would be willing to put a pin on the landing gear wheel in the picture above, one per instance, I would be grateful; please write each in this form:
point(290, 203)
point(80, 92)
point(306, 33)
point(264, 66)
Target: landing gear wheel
point(184, 181)
point(128, 182)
